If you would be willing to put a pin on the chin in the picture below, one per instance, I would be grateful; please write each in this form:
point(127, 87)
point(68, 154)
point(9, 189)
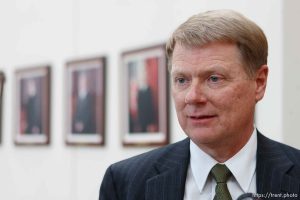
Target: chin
point(202, 135)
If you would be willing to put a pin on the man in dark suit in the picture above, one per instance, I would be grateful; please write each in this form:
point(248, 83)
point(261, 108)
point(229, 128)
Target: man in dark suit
point(146, 109)
point(218, 67)
point(33, 108)
point(84, 120)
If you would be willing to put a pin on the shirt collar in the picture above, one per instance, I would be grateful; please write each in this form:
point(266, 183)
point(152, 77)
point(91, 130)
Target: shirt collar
point(240, 164)
point(201, 164)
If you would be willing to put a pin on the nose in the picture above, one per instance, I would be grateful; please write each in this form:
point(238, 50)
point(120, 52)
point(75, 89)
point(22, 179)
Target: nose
point(195, 94)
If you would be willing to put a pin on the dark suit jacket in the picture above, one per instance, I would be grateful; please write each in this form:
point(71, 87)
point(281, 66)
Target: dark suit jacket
point(85, 114)
point(160, 174)
point(33, 114)
point(146, 109)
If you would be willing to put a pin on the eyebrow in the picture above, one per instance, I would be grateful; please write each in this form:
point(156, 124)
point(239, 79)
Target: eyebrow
point(212, 69)
point(177, 71)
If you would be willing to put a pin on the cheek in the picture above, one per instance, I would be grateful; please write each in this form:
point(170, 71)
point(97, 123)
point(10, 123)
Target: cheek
point(179, 103)
point(227, 100)
point(246, 96)
point(236, 103)
point(178, 100)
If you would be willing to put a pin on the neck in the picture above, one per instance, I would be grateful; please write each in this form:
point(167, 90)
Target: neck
point(223, 151)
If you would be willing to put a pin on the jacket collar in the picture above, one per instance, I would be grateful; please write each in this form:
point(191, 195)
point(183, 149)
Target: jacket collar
point(171, 170)
point(272, 167)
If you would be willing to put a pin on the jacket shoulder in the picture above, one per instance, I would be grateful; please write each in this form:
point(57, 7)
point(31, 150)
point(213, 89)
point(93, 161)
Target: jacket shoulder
point(146, 160)
point(292, 153)
point(127, 178)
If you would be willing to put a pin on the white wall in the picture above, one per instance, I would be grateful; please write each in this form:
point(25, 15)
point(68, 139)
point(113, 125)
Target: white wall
point(44, 31)
point(291, 71)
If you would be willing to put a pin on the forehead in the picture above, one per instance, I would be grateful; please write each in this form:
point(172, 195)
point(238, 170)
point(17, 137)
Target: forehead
point(209, 55)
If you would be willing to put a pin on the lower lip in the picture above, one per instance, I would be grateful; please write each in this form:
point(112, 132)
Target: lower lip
point(202, 121)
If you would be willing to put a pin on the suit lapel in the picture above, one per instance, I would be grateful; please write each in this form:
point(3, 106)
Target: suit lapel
point(272, 167)
point(168, 183)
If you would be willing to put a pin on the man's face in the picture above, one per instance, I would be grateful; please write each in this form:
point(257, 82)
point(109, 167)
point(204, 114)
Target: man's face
point(214, 97)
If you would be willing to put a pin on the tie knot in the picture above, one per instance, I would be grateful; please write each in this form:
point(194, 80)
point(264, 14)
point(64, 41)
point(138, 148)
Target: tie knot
point(220, 173)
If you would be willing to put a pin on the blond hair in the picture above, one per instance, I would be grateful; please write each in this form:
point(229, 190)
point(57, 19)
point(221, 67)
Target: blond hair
point(223, 26)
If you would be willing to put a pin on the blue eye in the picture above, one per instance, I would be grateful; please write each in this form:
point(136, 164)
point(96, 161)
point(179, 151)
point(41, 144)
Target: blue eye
point(214, 78)
point(181, 80)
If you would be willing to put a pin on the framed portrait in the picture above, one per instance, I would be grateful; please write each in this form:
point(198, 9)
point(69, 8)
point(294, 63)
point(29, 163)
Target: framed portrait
point(145, 102)
point(32, 106)
point(85, 100)
point(2, 81)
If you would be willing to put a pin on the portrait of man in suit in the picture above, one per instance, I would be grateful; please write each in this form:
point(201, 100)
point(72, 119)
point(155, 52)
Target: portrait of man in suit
point(84, 120)
point(143, 96)
point(32, 105)
point(218, 69)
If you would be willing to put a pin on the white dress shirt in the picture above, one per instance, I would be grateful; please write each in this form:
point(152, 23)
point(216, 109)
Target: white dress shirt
point(200, 184)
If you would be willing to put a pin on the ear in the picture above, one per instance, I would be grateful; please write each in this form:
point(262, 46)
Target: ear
point(261, 82)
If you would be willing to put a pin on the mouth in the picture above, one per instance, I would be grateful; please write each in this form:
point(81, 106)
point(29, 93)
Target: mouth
point(201, 119)
point(201, 116)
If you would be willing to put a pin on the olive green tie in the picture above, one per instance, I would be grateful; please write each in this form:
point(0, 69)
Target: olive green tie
point(221, 174)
